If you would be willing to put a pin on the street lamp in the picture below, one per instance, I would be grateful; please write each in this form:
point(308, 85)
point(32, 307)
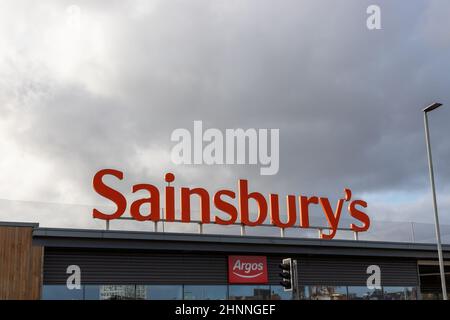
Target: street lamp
point(433, 190)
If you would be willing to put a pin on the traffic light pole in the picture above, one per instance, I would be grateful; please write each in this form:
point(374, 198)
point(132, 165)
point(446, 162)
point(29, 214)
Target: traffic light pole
point(295, 291)
point(289, 277)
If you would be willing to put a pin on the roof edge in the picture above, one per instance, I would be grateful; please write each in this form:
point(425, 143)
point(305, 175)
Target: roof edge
point(143, 236)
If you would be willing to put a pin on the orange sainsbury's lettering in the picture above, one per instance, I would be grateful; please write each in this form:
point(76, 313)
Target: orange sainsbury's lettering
point(359, 215)
point(332, 217)
point(225, 207)
point(244, 197)
point(236, 207)
point(205, 210)
point(170, 198)
point(304, 209)
point(109, 193)
point(275, 211)
point(153, 201)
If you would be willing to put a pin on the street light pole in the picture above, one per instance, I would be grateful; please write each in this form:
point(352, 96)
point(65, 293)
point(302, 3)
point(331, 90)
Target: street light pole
point(433, 190)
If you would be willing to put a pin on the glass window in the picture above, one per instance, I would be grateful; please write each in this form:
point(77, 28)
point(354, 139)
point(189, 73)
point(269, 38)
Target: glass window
point(400, 293)
point(247, 292)
point(61, 292)
point(122, 292)
point(164, 292)
point(91, 292)
point(206, 292)
point(278, 293)
point(364, 293)
point(327, 293)
point(303, 292)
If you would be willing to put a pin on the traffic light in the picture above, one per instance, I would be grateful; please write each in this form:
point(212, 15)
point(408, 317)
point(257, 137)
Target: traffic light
point(286, 274)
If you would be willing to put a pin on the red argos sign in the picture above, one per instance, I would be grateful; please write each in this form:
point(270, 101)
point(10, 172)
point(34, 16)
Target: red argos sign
point(247, 269)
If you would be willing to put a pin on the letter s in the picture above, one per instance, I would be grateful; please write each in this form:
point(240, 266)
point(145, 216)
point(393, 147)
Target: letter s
point(359, 215)
point(109, 193)
point(225, 207)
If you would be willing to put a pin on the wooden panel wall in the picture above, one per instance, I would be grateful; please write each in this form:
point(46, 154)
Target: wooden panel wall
point(20, 264)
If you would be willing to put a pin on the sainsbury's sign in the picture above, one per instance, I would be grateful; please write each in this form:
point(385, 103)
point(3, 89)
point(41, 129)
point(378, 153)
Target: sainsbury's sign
point(247, 269)
point(226, 213)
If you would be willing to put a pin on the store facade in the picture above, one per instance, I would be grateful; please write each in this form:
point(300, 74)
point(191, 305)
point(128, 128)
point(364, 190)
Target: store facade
point(155, 265)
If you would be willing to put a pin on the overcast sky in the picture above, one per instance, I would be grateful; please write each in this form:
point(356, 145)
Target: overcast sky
point(86, 85)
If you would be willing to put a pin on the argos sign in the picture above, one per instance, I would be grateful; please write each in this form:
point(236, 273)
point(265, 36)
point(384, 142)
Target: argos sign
point(247, 269)
point(225, 206)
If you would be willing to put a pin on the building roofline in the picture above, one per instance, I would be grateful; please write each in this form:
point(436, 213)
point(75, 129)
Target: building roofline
point(138, 240)
point(18, 224)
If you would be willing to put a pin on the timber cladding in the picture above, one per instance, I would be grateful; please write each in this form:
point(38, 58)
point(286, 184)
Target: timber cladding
point(20, 264)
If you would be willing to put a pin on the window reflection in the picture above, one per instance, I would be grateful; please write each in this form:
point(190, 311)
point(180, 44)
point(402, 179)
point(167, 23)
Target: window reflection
point(246, 292)
point(327, 293)
point(164, 292)
point(222, 292)
point(60, 292)
point(122, 292)
point(363, 293)
point(91, 292)
point(303, 292)
point(400, 293)
point(278, 293)
point(206, 292)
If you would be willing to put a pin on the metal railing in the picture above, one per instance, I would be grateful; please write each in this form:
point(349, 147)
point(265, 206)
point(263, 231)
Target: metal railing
point(391, 231)
point(243, 227)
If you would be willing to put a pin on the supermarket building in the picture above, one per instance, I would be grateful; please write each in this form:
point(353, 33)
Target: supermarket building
point(160, 265)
